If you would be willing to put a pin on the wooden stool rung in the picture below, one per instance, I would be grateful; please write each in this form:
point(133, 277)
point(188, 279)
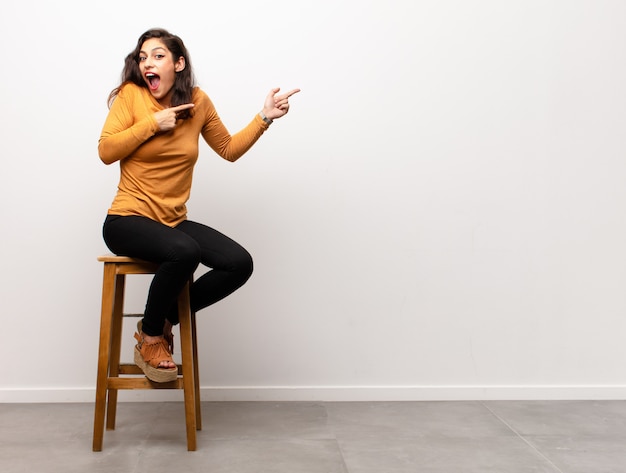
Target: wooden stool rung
point(143, 383)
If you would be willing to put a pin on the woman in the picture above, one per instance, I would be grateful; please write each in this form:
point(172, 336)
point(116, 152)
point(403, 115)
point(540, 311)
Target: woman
point(156, 116)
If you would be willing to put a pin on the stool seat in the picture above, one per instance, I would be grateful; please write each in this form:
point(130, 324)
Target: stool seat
point(113, 375)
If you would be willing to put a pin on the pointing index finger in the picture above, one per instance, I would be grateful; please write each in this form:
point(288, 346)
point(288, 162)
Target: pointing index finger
point(184, 106)
point(291, 92)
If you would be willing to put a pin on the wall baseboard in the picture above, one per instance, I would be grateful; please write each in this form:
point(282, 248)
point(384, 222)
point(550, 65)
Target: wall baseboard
point(332, 393)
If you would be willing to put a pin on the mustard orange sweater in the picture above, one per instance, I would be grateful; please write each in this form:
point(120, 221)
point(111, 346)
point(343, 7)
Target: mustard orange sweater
point(156, 168)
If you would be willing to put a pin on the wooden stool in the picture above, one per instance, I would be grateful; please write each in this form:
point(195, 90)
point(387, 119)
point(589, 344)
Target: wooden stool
point(109, 367)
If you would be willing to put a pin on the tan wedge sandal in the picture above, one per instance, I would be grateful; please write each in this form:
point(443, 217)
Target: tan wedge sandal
point(167, 334)
point(148, 356)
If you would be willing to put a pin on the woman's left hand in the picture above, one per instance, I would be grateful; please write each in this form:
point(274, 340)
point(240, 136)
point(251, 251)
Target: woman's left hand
point(277, 105)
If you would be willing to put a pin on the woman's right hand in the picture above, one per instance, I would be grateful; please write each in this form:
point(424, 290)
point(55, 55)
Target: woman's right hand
point(166, 118)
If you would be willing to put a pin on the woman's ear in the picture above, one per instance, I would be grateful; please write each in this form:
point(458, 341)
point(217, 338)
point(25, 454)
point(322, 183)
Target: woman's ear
point(180, 64)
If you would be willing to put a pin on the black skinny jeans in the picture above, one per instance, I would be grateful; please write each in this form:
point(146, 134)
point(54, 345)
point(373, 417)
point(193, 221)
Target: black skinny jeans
point(179, 251)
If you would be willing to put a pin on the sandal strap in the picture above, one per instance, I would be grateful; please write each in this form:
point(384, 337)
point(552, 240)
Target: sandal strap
point(153, 353)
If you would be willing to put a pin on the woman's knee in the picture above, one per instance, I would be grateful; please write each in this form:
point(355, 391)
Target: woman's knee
point(245, 264)
point(184, 251)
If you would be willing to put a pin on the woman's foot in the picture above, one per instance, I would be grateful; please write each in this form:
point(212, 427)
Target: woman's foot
point(167, 334)
point(150, 340)
point(152, 355)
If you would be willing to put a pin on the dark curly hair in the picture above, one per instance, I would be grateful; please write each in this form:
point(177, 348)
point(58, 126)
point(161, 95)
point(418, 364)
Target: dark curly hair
point(184, 81)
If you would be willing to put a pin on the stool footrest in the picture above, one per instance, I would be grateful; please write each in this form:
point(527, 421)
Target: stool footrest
point(142, 383)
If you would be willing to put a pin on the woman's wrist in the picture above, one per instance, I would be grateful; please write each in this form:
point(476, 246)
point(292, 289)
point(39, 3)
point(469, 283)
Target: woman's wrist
point(264, 118)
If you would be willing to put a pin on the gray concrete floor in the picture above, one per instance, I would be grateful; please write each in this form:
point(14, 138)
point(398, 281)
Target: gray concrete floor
point(320, 437)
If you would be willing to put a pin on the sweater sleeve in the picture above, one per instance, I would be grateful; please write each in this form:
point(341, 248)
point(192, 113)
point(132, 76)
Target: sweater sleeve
point(121, 134)
point(231, 147)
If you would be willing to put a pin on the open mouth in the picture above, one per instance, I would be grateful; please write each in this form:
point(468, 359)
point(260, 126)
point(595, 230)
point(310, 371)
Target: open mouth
point(153, 80)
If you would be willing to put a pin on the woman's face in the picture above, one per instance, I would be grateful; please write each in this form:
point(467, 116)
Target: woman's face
point(159, 69)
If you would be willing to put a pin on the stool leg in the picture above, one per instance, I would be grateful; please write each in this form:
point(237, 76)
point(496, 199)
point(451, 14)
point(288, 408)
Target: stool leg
point(196, 371)
point(116, 348)
point(188, 368)
point(108, 291)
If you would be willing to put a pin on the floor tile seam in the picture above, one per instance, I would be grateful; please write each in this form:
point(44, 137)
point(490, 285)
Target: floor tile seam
point(256, 438)
point(344, 464)
point(578, 438)
point(429, 436)
point(331, 427)
point(523, 439)
point(282, 439)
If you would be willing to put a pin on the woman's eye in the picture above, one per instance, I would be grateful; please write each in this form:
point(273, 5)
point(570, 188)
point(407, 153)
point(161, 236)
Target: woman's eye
point(159, 56)
point(142, 58)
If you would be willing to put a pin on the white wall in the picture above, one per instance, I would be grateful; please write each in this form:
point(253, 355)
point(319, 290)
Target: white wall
point(442, 215)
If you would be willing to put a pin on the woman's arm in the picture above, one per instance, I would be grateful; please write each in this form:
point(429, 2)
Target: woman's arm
point(232, 147)
point(120, 134)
